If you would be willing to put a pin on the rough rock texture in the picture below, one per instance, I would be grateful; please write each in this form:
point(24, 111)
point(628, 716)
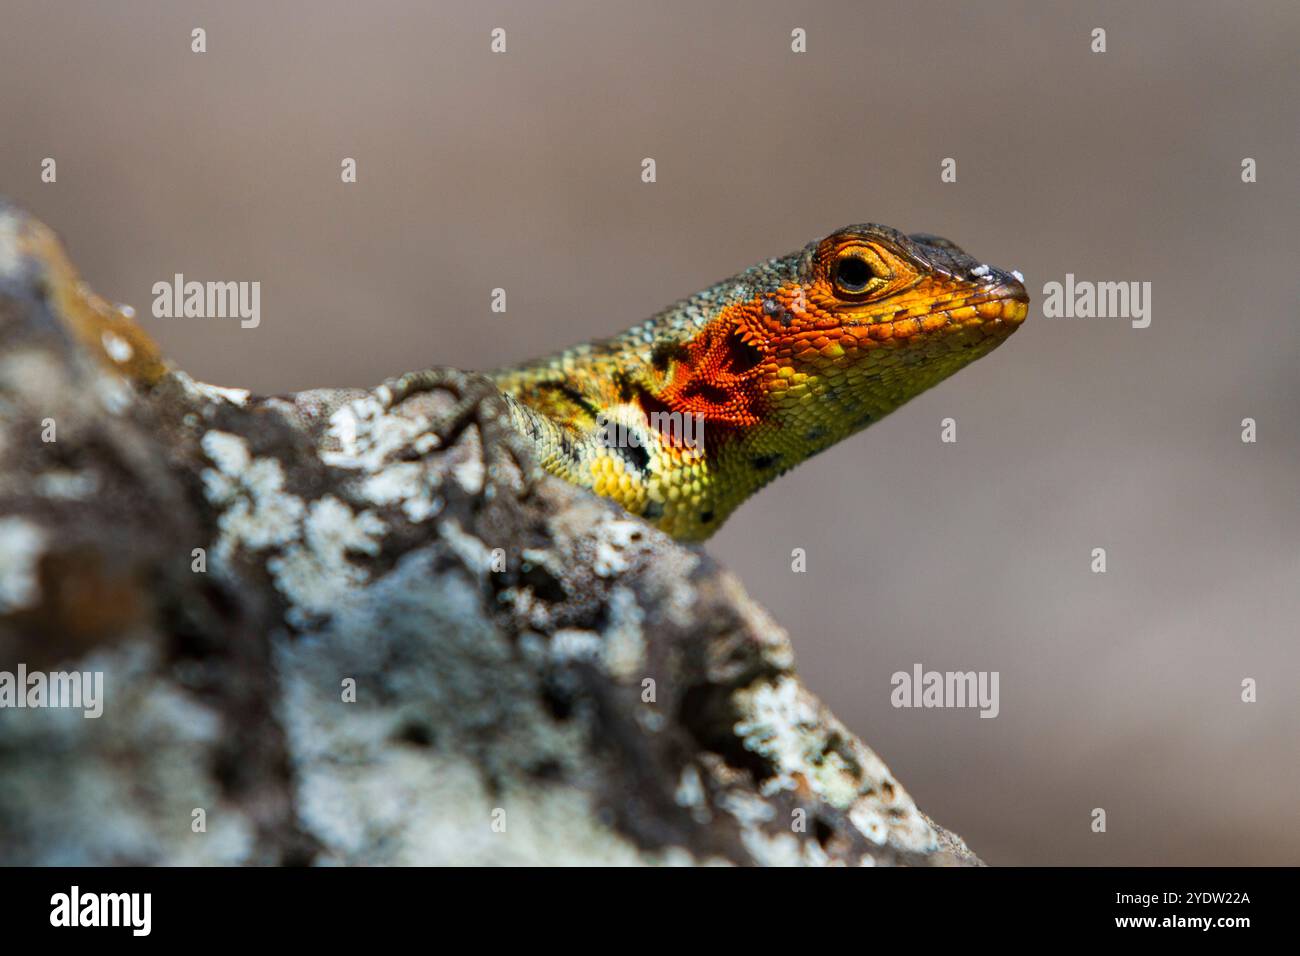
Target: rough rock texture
point(397, 644)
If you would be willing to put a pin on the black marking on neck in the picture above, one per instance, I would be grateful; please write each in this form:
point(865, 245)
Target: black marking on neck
point(666, 352)
point(637, 458)
point(623, 383)
point(573, 395)
point(568, 449)
point(742, 356)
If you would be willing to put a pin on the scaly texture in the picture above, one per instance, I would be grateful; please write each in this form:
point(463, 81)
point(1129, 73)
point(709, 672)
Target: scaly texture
point(682, 418)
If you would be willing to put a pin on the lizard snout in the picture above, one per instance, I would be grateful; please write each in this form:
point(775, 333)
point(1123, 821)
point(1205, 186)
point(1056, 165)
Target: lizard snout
point(1004, 296)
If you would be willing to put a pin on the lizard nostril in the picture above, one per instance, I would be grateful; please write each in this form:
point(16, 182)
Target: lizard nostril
point(1003, 285)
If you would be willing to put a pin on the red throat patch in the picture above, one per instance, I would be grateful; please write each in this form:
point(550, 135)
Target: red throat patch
point(720, 375)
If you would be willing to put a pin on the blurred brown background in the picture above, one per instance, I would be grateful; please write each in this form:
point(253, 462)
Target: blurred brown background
point(522, 171)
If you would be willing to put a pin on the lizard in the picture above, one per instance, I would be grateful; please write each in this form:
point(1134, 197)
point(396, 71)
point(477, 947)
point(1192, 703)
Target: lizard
point(685, 416)
point(682, 418)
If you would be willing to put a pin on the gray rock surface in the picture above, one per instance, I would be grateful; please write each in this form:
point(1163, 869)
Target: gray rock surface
point(358, 627)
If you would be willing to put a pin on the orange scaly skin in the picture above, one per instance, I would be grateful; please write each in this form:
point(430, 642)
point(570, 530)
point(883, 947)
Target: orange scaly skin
point(768, 368)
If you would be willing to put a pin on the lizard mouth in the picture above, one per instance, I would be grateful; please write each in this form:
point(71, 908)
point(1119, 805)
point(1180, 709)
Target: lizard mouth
point(1009, 289)
point(1001, 300)
point(996, 307)
point(999, 306)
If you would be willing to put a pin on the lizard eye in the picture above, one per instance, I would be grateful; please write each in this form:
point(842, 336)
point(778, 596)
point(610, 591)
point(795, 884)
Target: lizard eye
point(853, 274)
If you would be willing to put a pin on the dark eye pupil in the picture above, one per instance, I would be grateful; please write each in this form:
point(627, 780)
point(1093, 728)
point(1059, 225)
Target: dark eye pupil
point(853, 274)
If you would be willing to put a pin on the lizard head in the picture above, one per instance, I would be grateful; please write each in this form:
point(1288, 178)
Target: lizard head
point(810, 348)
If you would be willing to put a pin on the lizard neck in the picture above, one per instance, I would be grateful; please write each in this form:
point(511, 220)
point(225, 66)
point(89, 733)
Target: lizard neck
point(663, 416)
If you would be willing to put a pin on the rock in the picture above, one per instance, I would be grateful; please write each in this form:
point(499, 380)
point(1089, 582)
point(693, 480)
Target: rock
point(359, 627)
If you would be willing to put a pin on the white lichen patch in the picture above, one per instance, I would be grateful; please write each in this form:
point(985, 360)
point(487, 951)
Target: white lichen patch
point(690, 794)
point(365, 435)
point(332, 529)
point(472, 551)
point(21, 546)
point(410, 484)
point(362, 434)
point(235, 396)
point(228, 452)
point(569, 644)
point(784, 723)
point(316, 576)
point(614, 539)
point(258, 513)
point(211, 393)
point(67, 485)
point(469, 473)
point(869, 821)
point(782, 849)
point(398, 481)
point(780, 723)
point(269, 515)
point(772, 849)
point(624, 648)
point(749, 809)
point(422, 508)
